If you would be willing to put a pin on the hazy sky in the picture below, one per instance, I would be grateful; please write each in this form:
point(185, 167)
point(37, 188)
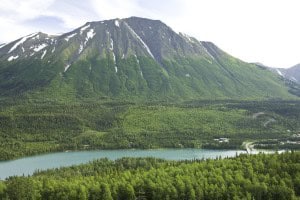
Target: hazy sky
point(266, 31)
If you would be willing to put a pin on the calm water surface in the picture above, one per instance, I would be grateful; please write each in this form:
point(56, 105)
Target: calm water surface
point(28, 165)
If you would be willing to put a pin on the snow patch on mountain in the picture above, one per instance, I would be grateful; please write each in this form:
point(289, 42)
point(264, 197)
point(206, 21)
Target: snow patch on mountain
point(137, 60)
point(12, 58)
point(80, 49)
point(90, 34)
point(67, 67)
point(207, 52)
point(140, 39)
point(44, 53)
point(36, 37)
point(2, 45)
point(187, 37)
point(84, 28)
point(294, 79)
point(114, 58)
point(40, 47)
point(117, 24)
point(21, 41)
point(111, 44)
point(70, 36)
point(279, 72)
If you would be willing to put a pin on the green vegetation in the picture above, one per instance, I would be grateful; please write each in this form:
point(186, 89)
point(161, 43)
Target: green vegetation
point(141, 79)
point(261, 177)
point(29, 128)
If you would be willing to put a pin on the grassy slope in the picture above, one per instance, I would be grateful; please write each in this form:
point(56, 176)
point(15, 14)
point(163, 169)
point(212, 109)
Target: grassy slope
point(141, 79)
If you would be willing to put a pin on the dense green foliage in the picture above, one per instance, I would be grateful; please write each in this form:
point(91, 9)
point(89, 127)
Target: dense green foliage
point(261, 177)
point(35, 127)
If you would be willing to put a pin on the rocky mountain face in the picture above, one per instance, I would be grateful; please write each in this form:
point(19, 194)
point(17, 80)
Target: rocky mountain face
point(132, 58)
point(292, 73)
point(290, 77)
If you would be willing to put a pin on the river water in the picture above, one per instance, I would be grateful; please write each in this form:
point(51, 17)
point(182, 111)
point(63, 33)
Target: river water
point(26, 166)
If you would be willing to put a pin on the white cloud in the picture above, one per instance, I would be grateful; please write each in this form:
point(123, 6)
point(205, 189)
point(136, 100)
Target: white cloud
point(14, 12)
point(19, 10)
point(10, 30)
point(73, 12)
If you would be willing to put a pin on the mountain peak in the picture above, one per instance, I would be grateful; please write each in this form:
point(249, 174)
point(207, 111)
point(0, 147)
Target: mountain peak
point(142, 20)
point(293, 73)
point(296, 66)
point(145, 36)
point(26, 46)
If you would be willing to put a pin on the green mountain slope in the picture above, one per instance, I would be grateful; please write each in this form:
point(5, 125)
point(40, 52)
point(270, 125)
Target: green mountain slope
point(133, 58)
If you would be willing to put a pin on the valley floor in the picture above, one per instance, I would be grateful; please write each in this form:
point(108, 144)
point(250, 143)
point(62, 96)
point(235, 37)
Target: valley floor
point(29, 128)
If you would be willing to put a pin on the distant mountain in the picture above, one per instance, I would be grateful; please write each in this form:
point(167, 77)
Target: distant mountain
point(290, 77)
point(279, 71)
point(132, 58)
point(293, 73)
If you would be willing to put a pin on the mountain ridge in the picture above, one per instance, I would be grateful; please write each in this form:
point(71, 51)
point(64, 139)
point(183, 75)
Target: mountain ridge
point(292, 73)
point(134, 58)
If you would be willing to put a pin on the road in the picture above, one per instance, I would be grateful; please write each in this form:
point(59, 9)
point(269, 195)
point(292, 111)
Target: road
point(248, 146)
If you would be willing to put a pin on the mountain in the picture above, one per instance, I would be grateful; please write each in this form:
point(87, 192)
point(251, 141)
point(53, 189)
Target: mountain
point(279, 71)
point(132, 58)
point(293, 73)
point(292, 78)
point(288, 76)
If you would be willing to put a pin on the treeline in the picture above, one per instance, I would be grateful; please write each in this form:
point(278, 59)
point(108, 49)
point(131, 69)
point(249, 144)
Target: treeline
point(260, 177)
